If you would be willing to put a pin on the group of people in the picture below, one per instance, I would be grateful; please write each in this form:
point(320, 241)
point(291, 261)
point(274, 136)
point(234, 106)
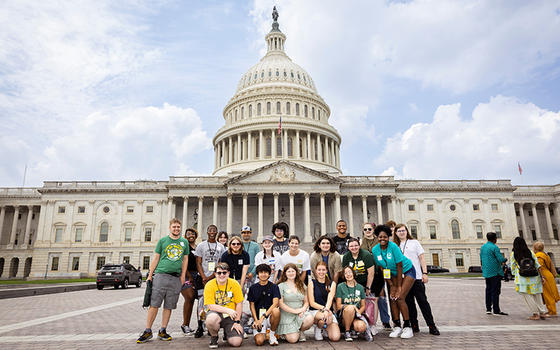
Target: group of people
point(338, 289)
point(534, 277)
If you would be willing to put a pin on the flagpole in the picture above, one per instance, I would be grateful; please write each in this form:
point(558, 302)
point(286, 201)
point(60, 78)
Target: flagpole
point(24, 175)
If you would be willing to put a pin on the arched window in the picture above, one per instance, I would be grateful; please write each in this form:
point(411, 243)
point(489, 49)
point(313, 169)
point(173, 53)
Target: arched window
point(312, 112)
point(104, 232)
point(279, 146)
point(236, 115)
point(258, 109)
point(455, 229)
point(268, 108)
point(305, 111)
point(278, 108)
point(288, 110)
point(318, 114)
point(290, 151)
point(257, 148)
point(297, 108)
point(242, 112)
point(300, 147)
point(268, 147)
point(250, 111)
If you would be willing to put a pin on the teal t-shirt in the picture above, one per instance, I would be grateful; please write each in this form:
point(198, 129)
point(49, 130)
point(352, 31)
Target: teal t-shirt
point(350, 295)
point(171, 253)
point(390, 257)
point(252, 248)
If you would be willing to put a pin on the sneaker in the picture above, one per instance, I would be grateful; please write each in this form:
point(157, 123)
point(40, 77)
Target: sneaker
point(354, 334)
point(164, 336)
point(272, 339)
point(415, 327)
point(318, 333)
point(373, 330)
point(213, 342)
point(248, 330)
point(187, 330)
point(145, 337)
point(501, 313)
point(407, 333)
point(302, 337)
point(368, 336)
point(387, 326)
point(396, 332)
point(199, 332)
point(489, 312)
point(434, 330)
point(348, 336)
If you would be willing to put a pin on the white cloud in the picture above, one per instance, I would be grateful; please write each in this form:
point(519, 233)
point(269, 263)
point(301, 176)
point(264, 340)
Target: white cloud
point(500, 133)
point(351, 122)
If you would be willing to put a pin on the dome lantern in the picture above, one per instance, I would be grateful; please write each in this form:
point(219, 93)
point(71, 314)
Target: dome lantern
point(275, 39)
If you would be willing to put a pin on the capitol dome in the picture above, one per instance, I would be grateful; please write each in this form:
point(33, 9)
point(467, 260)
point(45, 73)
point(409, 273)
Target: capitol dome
point(276, 114)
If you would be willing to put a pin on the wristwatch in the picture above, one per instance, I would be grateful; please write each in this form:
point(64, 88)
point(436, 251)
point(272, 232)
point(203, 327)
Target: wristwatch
point(237, 321)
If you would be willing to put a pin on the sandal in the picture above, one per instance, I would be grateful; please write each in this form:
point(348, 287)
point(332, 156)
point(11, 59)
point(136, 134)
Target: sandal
point(534, 318)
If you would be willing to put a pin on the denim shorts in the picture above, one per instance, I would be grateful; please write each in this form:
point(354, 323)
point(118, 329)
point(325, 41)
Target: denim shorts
point(411, 272)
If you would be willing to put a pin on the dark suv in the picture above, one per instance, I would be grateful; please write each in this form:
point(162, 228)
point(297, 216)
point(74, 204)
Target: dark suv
point(118, 275)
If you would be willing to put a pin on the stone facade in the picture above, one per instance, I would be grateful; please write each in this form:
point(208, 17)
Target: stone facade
point(264, 173)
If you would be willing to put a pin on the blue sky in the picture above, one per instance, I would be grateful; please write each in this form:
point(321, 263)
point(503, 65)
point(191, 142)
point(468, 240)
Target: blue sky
point(105, 90)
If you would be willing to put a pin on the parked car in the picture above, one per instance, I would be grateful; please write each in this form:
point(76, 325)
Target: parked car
point(475, 269)
point(436, 269)
point(118, 275)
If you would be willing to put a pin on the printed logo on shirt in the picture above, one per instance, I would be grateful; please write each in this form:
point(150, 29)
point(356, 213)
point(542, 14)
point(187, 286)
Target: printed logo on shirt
point(389, 255)
point(174, 251)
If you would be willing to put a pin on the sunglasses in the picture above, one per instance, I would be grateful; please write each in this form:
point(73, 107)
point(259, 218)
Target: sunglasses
point(235, 244)
point(218, 273)
point(368, 229)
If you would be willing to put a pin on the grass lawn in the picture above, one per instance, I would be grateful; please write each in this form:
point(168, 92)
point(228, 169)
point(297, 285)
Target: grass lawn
point(48, 281)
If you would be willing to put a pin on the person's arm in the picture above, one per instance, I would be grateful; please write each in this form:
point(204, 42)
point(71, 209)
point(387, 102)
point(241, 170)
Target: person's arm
point(303, 276)
point(305, 305)
point(153, 265)
point(257, 324)
point(339, 303)
point(200, 269)
point(395, 292)
point(499, 255)
point(311, 297)
point(337, 266)
point(331, 296)
point(184, 268)
point(424, 268)
point(370, 275)
point(362, 306)
point(222, 309)
point(285, 307)
point(244, 274)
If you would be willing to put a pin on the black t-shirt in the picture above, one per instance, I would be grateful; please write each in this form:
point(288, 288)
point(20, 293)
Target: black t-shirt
point(236, 262)
point(341, 244)
point(192, 261)
point(280, 247)
point(263, 296)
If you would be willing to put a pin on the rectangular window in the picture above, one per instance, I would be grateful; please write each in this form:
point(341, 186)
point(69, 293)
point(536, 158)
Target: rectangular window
point(58, 234)
point(430, 207)
point(530, 213)
point(61, 210)
point(494, 206)
point(126, 260)
point(79, 232)
point(146, 263)
point(411, 207)
point(459, 260)
point(414, 231)
point(476, 207)
point(498, 230)
point(130, 209)
point(517, 213)
point(81, 210)
point(521, 233)
point(100, 262)
point(54, 263)
point(75, 263)
point(534, 235)
point(433, 233)
point(128, 234)
point(149, 209)
point(478, 229)
point(148, 234)
point(554, 233)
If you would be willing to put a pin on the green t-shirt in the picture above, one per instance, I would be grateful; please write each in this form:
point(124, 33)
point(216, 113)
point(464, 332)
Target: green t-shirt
point(360, 265)
point(172, 252)
point(350, 295)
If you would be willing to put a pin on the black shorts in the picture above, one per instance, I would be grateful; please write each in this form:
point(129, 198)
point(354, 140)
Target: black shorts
point(226, 323)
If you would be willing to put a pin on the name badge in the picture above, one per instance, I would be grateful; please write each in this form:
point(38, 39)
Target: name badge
point(211, 266)
point(379, 258)
point(240, 262)
point(360, 263)
point(262, 312)
point(230, 294)
point(386, 274)
point(351, 264)
point(357, 293)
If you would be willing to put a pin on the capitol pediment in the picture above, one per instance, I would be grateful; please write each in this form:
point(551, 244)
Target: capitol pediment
point(283, 172)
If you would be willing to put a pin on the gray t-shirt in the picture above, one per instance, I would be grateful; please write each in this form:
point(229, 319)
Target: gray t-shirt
point(210, 254)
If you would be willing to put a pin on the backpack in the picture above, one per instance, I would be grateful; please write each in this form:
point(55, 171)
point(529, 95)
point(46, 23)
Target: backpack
point(527, 267)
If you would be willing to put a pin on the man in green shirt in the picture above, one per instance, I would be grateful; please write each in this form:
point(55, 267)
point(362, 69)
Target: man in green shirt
point(492, 260)
point(169, 265)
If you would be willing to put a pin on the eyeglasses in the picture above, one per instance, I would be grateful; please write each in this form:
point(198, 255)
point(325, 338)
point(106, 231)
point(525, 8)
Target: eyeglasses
point(401, 230)
point(222, 273)
point(368, 229)
point(235, 244)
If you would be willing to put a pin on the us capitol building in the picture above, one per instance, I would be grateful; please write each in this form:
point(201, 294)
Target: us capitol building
point(263, 174)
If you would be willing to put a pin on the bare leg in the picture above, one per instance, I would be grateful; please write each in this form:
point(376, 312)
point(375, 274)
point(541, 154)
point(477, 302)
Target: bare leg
point(188, 294)
point(152, 313)
point(165, 317)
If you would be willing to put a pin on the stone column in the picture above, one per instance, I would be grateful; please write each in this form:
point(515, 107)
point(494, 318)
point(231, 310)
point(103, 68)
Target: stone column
point(292, 213)
point(323, 215)
point(536, 221)
point(28, 225)
point(523, 224)
point(185, 212)
point(229, 210)
point(557, 215)
point(548, 220)
point(261, 145)
point(215, 211)
point(249, 146)
point(318, 149)
point(239, 148)
point(364, 209)
point(200, 225)
point(261, 222)
point(169, 208)
point(273, 144)
point(308, 145)
point(337, 155)
point(230, 151)
point(285, 144)
point(327, 154)
point(216, 151)
point(333, 158)
point(337, 207)
point(244, 217)
point(298, 155)
point(350, 216)
point(307, 218)
point(379, 211)
point(468, 230)
point(14, 226)
point(275, 207)
point(2, 215)
point(394, 208)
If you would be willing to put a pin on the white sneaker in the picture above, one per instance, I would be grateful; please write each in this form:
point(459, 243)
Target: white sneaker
point(272, 339)
point(373, 330)
point(396, 332)
point(407, 333)
point(318, 333)
point(302, 337)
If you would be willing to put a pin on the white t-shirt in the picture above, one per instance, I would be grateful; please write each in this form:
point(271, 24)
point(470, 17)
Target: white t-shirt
point(412, 250)
point(272, 261)
point(301, 260)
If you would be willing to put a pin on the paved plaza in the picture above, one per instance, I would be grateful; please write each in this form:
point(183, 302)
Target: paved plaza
point(108, 319)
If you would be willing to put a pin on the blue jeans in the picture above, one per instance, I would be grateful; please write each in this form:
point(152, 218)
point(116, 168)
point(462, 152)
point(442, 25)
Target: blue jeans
point(383, 312)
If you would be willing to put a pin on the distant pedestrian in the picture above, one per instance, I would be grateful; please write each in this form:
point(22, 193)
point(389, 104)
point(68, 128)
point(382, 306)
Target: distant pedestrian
point(492, 260)
point(550, 291)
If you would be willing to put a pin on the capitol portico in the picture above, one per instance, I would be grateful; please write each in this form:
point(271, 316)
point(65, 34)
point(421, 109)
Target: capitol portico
point(276, 159)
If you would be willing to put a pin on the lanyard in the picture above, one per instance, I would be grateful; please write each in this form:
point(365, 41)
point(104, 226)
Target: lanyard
point(223, 293)
point(404, 246)
point(386, 263)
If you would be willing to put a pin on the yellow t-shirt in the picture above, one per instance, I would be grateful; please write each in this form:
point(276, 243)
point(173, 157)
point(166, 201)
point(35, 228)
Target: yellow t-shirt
point(227, 295)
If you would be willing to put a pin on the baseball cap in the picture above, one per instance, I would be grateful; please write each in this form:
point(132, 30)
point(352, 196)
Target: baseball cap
point(268, 238)
point(246, 228)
